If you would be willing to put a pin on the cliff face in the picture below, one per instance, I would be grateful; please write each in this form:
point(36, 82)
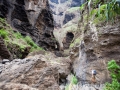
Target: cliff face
point(39, 19)
point(30, 17)
point(100, 44)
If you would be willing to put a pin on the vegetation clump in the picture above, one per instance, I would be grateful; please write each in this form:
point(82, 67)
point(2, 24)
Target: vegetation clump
point(73, 81)
point(14, 41)
point(104, 11)
point(114, 69)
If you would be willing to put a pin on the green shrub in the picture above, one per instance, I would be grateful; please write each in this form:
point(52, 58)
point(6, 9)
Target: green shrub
point(3, 33)
point(16, 40)
point(115, 85)
point(30, 41)
point(108, 10)
point(114, 69)
point(32, 44)
point(18, 35)
point(73, 81)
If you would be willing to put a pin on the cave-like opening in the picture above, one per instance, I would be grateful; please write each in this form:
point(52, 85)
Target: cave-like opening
point(68, 39)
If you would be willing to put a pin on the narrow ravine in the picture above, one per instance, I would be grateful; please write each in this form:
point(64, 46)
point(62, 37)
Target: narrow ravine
point(58, 44)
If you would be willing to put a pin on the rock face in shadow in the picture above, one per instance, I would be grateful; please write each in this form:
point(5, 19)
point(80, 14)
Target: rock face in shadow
point(68, 39)
point(4, 53)
point(99, 45)
point(30, 17)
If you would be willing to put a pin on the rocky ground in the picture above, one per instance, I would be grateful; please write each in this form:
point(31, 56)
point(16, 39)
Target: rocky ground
point(38, 72)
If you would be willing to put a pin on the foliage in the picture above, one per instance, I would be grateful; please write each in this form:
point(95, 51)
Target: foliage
point(18, 35)
point(73, 81)
point(31, 43)
point(104, 11)
point(15, 39)
point(114, 69)
point(3, 33)
point(82, 6)
point(115, 85)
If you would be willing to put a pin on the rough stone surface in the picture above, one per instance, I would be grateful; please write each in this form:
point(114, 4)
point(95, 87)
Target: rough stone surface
point(39, 72)
point(99, 45)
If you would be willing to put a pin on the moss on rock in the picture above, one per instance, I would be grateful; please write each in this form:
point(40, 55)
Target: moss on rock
point(15, 42)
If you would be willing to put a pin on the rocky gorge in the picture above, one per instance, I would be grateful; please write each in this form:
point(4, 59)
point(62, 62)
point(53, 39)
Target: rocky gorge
point(54, 45)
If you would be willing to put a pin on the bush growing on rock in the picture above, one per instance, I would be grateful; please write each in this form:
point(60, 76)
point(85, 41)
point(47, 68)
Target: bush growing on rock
point(73, 81)
point(114, 69)
point(3, 33)
point(17, 44)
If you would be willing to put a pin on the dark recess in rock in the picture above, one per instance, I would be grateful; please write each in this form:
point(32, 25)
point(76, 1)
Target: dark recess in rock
point(68, 39)
point(18, 15)
point(45, 26)
point(59, 53)
point(4, 5)
point(20, 2)
point(68, 17)
point(4, 53)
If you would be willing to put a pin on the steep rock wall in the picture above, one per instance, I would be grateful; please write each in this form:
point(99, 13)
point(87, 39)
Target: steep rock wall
point(100, 44)
point(30, 17)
